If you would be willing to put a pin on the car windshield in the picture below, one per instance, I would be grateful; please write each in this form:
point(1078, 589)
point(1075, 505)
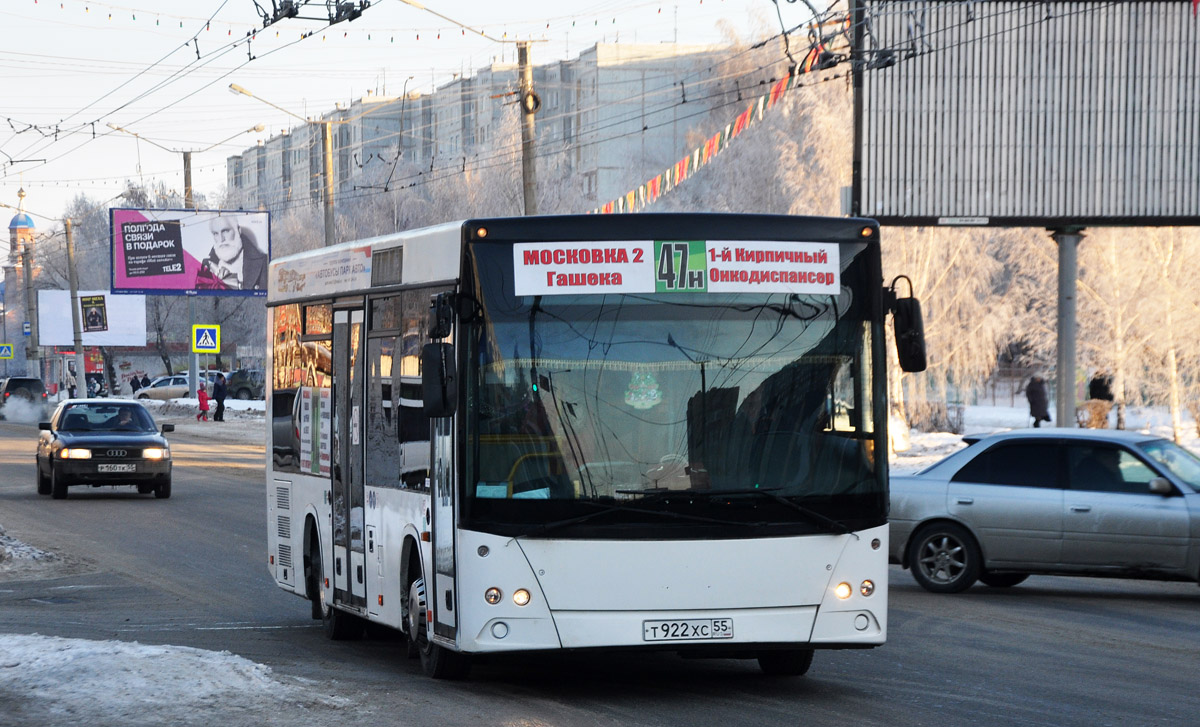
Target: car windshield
point(1181, 462)
point(105, 417)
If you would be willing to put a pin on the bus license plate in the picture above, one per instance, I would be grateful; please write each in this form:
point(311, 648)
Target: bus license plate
point(116, 468)
point(687, 629)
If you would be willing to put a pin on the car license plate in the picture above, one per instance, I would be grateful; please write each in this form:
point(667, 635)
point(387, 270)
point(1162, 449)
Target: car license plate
point(116, 468)
point(687, 629)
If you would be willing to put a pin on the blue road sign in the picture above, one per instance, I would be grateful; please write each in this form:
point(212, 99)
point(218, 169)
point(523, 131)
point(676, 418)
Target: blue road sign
point(6, 350)
point(206, 338)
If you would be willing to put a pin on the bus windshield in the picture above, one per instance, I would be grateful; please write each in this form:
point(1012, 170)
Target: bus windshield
point(744, 413)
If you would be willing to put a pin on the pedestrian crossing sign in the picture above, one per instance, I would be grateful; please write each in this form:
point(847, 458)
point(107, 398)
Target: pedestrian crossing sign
point(5, 350)
point(206, 338)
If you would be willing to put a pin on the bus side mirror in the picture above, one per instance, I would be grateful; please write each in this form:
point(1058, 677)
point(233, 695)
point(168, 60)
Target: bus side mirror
point(441, 315)
point(439, 380)
point(909, 327)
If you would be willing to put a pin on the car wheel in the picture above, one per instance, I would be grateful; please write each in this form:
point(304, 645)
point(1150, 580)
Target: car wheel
point(437, 661)
point(788, 663)
point(944, 558)
point(143, 396)
point(43, 482)
point(1002, 580)
point(163, 490)
point(58, 485)
point(243, 394)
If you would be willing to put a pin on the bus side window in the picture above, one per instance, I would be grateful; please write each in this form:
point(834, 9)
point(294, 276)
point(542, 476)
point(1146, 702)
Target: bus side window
point(384, 456)
point(413, 428)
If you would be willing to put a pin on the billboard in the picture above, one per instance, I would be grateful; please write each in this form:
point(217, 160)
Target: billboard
point(190, 252)
point(1028, 114)
point(106, 319)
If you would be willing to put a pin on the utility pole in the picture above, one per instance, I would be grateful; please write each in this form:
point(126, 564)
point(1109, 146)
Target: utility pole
point(193, 358)
point(327, 142)
point(76, 324)
point(529, 106)
point(32, 354)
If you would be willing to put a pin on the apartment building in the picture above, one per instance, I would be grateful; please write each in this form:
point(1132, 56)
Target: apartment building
point(619, 113)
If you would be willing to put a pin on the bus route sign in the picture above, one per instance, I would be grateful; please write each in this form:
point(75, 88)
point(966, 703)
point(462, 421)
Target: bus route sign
point(676, 266)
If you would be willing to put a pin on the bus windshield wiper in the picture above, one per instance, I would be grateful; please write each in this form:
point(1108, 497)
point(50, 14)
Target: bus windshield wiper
point(607, 509)
point(769, 493)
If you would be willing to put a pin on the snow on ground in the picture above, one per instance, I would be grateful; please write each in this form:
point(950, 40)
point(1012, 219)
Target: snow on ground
point(49, 681)
point(46, 680)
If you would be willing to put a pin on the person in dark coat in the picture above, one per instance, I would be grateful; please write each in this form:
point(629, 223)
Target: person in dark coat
point(145, 381)
point(1100, 387)
point(1035, 392)
point(135, 384)
point(218, 393)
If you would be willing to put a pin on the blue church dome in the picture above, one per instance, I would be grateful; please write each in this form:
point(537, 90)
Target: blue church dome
point(21, 220)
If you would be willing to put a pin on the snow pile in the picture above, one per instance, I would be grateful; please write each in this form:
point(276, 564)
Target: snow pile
point(18, 557)
point(46, 680)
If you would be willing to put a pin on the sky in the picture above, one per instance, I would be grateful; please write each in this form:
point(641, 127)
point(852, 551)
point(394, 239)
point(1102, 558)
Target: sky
point(161, 69)
point(79, 681)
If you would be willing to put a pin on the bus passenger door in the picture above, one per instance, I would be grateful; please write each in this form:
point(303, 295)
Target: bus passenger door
point(349, 559)
point(441, 596)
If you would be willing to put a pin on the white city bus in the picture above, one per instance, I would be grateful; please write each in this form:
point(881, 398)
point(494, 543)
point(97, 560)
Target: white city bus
point(601, 432)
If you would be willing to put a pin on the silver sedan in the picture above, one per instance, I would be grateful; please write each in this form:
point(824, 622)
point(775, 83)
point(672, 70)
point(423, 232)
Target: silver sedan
point(1050, 501)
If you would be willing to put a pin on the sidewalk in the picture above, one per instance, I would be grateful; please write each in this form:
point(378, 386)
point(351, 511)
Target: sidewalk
point(245, 421)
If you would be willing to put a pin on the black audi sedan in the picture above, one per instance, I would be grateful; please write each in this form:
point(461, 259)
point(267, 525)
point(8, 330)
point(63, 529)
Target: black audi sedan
point(102, 442)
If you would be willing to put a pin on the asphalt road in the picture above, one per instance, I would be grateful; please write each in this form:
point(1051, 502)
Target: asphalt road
point(192, 571)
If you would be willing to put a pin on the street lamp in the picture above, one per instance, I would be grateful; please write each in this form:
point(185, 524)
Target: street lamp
point(326, 142)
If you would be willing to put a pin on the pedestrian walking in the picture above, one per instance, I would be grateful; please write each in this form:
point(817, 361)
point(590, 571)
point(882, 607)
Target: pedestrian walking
point(202, 395)
point(219, 389)
point(134, 385)
point(1035, 392)
point(71, 385)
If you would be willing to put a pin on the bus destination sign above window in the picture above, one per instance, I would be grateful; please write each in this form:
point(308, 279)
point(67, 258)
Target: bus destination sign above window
point(675, 266)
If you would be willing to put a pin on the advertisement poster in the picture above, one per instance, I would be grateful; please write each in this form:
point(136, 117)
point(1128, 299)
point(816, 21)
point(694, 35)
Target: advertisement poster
point(190, 252)
point(315, 430)
point(93, 313)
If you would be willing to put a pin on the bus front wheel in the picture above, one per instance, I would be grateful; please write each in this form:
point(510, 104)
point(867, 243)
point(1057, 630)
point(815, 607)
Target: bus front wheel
point(788, 663)
point(437, 661)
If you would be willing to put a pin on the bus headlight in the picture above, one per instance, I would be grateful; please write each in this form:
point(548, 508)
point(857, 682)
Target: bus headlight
point(492, 595)
point(156, 453)
point(842, 591)
point(521, 597)
point(75, 454)
point(867, 588)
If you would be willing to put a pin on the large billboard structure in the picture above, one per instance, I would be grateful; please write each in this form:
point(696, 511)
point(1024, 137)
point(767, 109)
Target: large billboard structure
point(106, 319)
point(1045, 114)
point(190, 252)
point(1061, 115)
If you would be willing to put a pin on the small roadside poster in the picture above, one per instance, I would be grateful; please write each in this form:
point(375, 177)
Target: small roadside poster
point(94, 313)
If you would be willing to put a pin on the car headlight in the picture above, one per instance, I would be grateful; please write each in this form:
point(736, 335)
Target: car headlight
point(156, 453)
point(75, 454)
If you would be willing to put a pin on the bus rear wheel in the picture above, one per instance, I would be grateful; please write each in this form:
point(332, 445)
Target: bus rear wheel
point(437, 661)
point(787, 663)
